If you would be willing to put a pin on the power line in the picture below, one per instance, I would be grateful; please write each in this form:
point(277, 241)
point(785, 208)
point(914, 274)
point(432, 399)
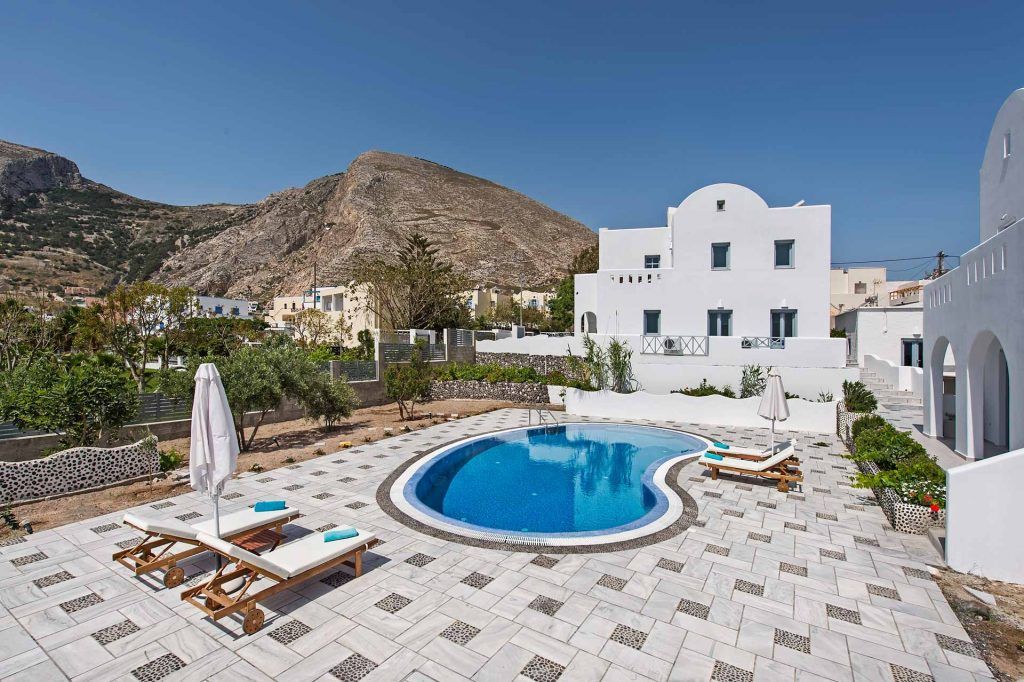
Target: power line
point(886, 260)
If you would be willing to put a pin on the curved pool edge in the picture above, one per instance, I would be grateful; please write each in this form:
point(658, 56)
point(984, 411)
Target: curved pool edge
point(681, 514)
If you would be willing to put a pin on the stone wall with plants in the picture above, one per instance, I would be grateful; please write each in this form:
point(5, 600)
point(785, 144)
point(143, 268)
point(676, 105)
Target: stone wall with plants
point(542, 364)
point(909, 485)
point(484, 390)
point(77, 469)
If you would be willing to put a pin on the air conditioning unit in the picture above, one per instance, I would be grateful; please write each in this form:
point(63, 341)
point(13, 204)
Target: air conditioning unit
point(671, 345)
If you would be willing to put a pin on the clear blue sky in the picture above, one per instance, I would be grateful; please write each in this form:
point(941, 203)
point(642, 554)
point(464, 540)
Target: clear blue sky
point(607, 112)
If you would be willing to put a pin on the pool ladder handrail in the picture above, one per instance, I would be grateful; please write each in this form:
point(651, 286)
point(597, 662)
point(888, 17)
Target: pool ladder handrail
point(540, 417)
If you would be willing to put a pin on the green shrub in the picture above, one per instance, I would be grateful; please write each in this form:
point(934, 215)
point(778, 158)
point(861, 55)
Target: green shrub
point(704, 388)
point(753, 381)
point(557, 378)
point(491, 373)
point(886, 447)
point(866, 423)
point(917, 481)
point(858, 398)
point(170, 459)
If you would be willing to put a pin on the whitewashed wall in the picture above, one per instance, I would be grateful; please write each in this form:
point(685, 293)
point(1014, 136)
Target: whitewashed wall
point(984, 534)
point(880, 331)
point(910, 379)
point(685, 288)
point(717, 410)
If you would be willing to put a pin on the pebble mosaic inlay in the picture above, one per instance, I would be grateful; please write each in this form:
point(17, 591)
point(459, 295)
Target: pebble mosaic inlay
point(545, 605)
point(627, 636)
point(759, 537)
point(289, 632)
point(29, 559)
point(717, 549)
point(793, 641)
point(337, 579)
point(188, 516)
point(694, 608)
point(477, 580)
point(114, 632)
point(544, 561)
point(460, 632)
point(162, 505)
point(726, 672)
point(612, 582)
point(356, 505)
point(670, 565)
point(353, 668)
point(326, 527)
point(79, 603)
point(833, 554)
point(347, 479)
point(105, 528)
point(901, 674)
point(393, 602)
point(917, 573)
point(796, 526)
point(541, 669)
point(822, 516)
point(158, 668)
point(749, 588)
point(886, 592)
point(793, 568)
point(54, 579)
point(419, 560)
point(841, 613)
point(955, 645)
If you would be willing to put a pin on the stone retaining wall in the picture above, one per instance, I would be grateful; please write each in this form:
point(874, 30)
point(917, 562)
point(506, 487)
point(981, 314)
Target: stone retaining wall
point(904, 517)
point(77, 469)
point(539, 363)
point(483, 390)
point(844, 423)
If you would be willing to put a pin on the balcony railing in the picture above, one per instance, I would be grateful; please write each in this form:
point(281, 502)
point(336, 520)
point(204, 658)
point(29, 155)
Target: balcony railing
point(906, 295)
point(769, 342)
point(675, 345)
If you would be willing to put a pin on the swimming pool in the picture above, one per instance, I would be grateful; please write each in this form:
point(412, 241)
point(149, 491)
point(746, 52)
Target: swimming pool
point(573, 483)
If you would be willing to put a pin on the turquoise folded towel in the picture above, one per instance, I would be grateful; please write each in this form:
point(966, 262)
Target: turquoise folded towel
point(273, 505)
point(340, 534)
point(720, 446)
point(711, 455)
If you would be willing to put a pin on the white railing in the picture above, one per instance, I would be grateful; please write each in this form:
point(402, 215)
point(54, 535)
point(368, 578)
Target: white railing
point(769, 342)
point(906, 295)
point(675, 345)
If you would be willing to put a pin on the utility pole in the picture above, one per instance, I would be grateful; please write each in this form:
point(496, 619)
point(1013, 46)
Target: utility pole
point(940, 269)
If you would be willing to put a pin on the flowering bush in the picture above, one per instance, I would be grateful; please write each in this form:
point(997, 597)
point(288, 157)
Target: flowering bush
point(904, 465)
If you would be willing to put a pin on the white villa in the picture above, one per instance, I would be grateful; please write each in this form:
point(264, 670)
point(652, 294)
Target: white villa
point(337, 302)
point(217, 306)
point(974, 314)
point(728, 282)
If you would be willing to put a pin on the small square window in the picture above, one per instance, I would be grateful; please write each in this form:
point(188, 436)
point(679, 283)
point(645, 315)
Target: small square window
point(652, 262)
point(721, 204)
point(860, 288)
point(784, 253)
point(720, 256)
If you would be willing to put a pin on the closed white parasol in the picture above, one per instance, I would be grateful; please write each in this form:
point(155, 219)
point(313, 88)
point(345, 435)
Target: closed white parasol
point(213, 454)
point(773, 403)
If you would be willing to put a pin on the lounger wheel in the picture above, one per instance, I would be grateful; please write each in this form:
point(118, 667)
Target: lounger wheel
point(253, 621)
point(174, 576)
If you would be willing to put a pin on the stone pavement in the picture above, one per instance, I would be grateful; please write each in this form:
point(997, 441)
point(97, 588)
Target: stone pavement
point(812, 585)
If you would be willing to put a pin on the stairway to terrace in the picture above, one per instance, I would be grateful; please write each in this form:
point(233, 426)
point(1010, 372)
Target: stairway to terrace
point(905, 411)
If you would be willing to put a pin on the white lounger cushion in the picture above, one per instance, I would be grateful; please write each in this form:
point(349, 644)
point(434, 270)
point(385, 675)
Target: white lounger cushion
point(293, 558)
point(243, 520)
point(230, 524)
point(750, 464)
point(764, 452)
point(166, 527)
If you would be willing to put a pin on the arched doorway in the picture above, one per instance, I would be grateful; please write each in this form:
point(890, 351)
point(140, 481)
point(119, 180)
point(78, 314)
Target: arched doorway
point(588, 323)
point(988, 379)
point(941, 396)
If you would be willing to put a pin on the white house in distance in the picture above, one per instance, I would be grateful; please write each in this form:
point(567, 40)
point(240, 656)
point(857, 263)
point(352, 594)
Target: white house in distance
point(216, 306)
point(884, 324)
point(974, 314)
point(337, 302)
point(729, 281)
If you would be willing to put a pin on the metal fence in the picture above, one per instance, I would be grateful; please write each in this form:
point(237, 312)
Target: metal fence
point(402, 352)
point(156, 407)
point(675, 345)
point(359, 370)
point(769, 342)
point(463, 337)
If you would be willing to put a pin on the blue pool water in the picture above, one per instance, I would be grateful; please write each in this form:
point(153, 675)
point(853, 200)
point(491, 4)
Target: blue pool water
point(574, 478)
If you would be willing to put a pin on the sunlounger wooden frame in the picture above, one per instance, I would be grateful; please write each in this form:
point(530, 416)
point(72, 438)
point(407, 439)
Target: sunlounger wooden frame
point(212, 599)
point(153, 551)
point(785, 472)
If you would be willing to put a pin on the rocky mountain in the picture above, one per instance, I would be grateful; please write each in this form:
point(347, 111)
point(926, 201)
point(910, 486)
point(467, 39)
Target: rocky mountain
point(59, 228)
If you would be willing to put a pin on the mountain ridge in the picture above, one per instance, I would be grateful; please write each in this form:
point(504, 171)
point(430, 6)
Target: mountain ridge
point(57, 227)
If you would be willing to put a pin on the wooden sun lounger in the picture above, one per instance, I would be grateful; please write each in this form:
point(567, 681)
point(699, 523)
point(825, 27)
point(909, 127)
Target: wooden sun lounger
point(168, 541)
point(228, 591)
point(753, 453)
point(781, 467)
